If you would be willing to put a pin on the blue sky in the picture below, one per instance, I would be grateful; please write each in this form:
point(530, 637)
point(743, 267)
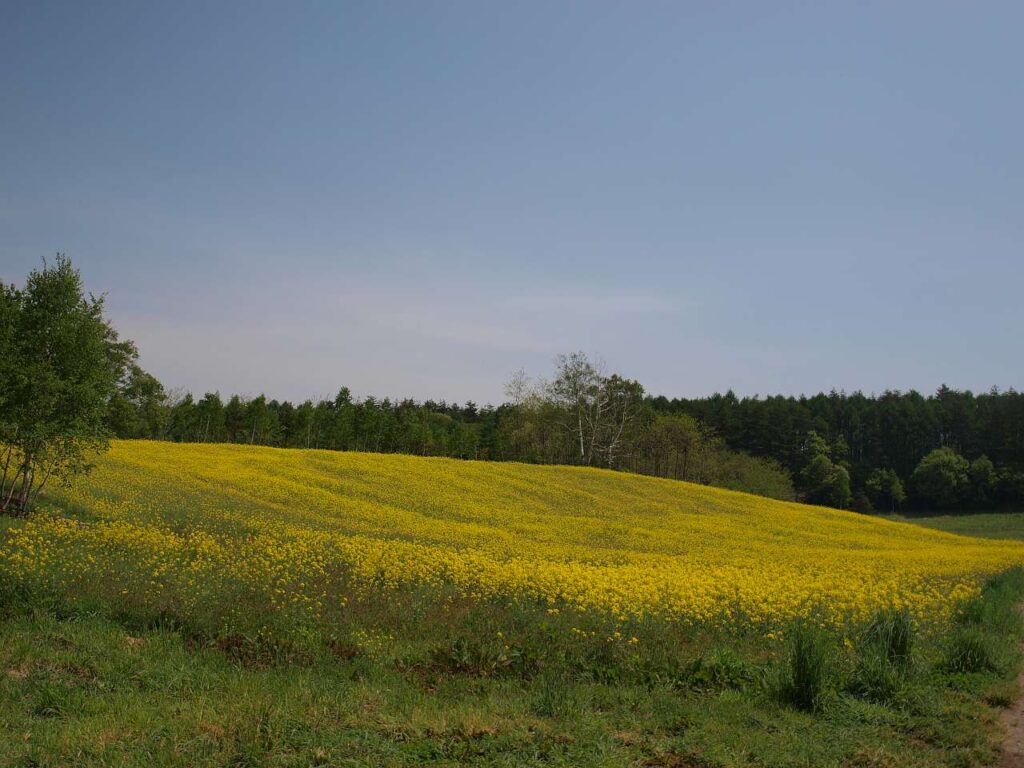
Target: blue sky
point(420, 198)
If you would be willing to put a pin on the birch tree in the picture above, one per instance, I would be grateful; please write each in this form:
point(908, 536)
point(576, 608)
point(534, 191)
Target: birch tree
point(598, 410)
point(577, 389)
point(62, 363)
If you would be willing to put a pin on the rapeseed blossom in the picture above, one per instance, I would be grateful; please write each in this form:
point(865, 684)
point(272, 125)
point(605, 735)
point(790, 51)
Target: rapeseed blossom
point(190, 528)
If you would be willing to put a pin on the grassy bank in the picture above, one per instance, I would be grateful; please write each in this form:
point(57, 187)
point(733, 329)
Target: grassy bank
point(223, 605)
point(79, 689)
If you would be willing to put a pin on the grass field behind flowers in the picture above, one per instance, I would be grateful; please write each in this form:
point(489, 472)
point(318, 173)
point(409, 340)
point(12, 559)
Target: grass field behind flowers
point(216, 604)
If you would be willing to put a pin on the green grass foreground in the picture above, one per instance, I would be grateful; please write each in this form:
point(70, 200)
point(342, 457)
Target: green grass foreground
point(77, 689)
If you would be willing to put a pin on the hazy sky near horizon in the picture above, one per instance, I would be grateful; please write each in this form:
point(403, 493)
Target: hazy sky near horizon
point(417, 199)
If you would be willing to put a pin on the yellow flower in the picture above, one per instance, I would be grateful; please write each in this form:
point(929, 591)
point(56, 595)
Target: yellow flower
point(207, 529)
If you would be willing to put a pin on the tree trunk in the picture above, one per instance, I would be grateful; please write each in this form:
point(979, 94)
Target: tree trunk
point(7, 504)
point(7, 466)
point(23, 496)
point(579, 428)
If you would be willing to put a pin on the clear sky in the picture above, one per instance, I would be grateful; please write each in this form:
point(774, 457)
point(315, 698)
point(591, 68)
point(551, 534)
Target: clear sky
point(420, 198)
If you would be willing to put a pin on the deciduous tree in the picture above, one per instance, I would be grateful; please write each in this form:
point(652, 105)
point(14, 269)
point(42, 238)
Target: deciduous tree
point(62, 365)
point(942, 477)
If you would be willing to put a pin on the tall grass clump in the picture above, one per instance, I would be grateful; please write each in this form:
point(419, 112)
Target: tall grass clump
point(971, 650)
point(995, 609)
point(803, 678)
point(988, 628)
point(885, 655)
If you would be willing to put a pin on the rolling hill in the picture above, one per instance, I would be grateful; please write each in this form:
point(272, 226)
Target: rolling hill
point(178, 526)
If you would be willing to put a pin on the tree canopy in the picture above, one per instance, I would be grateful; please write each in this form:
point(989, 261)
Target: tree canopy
point(62, 364)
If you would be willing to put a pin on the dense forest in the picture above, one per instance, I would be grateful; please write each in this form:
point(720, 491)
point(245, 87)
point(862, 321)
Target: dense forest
point(888, 452)
point(951, 449)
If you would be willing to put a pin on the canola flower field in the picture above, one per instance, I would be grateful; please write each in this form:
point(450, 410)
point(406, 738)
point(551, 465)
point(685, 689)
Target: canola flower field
point(289, 536)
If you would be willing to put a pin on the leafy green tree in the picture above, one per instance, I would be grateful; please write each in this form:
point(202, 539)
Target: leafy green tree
point(941, 478)
point(10, 308)
point(669, 447)
point(840, 450)
point(815, 475)
point(862, 503)
point(822, 480)
point(261, 422)
point(836, 492)
point(184, 421)
point(885, 489)
point(816, 445)
point(62, 366)
point(598, 412)
point(617, 431)
point(1010, 487)
point(210, 413)
point(983, 480)
point(234, 420)
point(139, 407)
point(742, 472)
point(577, 391)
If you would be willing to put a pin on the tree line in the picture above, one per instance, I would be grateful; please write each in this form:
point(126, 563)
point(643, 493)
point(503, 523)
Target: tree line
point(948, 450)
point(951, 450)
point(582, 415)
point(68, 383)
point(894, 451)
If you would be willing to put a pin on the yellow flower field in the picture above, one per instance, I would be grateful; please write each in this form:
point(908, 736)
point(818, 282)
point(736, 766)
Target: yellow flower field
point(193, 527)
